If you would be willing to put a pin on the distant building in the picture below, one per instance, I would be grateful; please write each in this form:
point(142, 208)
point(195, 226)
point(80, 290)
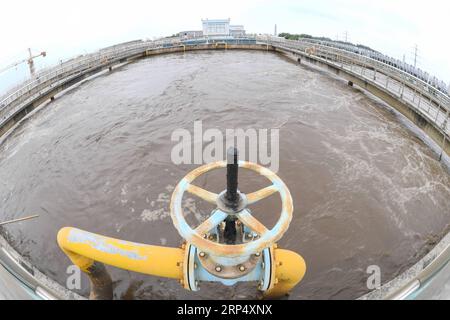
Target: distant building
point(237, 31)
point(216, 27)
point(191, 34)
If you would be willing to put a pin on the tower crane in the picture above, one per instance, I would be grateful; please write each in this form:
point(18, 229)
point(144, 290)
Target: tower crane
point(29, 60)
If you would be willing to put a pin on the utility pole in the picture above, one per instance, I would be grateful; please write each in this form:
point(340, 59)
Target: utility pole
point(275, 31)
point(31, 63)
point(346, 36)
point(416, 50)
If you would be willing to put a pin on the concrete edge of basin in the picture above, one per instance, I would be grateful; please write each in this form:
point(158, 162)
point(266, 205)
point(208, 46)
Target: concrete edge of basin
point(414, 278)
point(29, 276)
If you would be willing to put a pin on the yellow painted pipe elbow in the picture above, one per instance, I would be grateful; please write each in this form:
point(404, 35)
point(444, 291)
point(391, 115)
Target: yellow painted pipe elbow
point(83, 248)
point(290, 270)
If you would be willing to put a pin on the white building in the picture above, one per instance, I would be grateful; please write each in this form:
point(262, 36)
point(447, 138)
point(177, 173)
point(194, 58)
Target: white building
point(216, 27)
point(237, 31)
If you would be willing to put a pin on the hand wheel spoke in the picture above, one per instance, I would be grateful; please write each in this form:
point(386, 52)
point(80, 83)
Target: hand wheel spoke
point(251, 222)
point(206, 195)
point(261, 194)
point(217, 217)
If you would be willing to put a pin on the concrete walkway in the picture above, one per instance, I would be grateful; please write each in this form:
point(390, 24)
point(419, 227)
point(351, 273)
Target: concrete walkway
point(437, 288)
point(12, 289)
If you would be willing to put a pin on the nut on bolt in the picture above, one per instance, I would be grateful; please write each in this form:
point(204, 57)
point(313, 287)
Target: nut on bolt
point(260, 286)
point(241, 268)
point(202, 254)
point(218, 268)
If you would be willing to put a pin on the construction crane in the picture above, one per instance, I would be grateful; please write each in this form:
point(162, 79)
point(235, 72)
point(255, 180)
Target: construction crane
point(30, 62)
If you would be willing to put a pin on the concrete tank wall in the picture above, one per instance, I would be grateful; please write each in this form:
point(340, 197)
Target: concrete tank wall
point(407, 110)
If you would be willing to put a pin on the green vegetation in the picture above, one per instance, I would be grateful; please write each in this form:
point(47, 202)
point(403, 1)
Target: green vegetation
point(290, 36)
point(294, 36)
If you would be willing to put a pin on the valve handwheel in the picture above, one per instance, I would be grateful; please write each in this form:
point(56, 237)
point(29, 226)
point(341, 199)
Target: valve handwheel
point(238, 208)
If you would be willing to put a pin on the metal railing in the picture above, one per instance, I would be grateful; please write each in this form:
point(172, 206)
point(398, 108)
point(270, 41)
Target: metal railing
point(48, 79)
point(427, 100)
point(402, 65)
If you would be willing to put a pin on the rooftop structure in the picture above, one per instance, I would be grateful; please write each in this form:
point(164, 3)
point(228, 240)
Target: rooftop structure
point(237, 30)
point(216, 27)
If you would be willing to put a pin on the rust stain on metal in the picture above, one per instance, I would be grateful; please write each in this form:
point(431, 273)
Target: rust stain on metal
point(267, 237)
point(216, 218)
point(206, 195)
point(205, 227)
point(253, 223)
point(229, 272)
point(191, 176)
point(261, 194)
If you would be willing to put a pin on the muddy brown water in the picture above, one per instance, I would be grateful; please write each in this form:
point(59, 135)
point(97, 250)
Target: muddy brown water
point(366, 189)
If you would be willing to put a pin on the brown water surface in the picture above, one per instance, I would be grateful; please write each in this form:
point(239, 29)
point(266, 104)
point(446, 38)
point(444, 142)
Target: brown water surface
point(366, 190)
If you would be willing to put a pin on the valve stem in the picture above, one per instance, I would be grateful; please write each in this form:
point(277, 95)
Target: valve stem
point(231, 196)
point(232, 176)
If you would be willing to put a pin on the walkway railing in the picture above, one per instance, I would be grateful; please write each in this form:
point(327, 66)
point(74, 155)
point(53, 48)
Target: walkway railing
point(48, 79)
point(51, 78)
point(423, 97)
point(426, 99)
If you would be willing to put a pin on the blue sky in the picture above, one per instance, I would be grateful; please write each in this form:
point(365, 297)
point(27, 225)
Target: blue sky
point(67, 28)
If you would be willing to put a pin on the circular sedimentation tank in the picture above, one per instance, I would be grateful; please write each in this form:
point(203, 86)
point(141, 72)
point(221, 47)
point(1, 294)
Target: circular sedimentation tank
point(367, 190)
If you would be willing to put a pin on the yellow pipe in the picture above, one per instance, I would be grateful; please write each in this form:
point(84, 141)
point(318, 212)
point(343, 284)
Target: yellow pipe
point(290, 268)
point(83, 248)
